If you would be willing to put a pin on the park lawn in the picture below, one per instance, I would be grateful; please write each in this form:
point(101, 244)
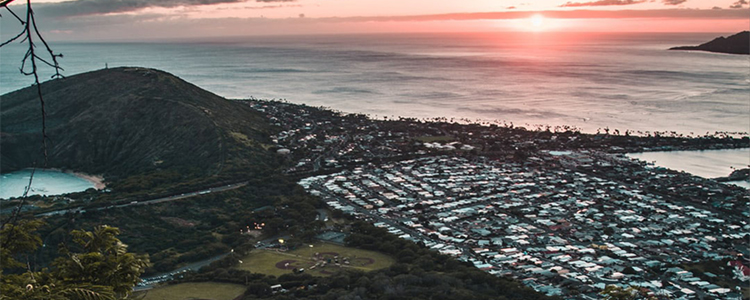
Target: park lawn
point(380, 260)
point(193, 290)
point(265, 261)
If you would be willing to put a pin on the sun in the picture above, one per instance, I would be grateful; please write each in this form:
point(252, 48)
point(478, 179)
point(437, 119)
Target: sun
point(537, 21)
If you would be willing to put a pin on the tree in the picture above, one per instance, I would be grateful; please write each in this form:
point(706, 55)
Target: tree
point(16, 239)
point(105, 260)
point(613, 292)
point(258, 289)
point(99, 268)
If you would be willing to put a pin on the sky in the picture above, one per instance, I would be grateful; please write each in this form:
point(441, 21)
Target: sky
point(158, 19)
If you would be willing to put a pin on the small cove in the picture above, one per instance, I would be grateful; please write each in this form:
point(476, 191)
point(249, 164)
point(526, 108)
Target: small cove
point(46, 182)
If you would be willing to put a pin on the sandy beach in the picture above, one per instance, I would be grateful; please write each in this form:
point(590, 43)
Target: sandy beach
point(48, 182)
point(97, 180)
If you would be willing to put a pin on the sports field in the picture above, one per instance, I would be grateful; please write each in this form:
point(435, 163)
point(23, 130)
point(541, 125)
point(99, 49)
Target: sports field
point(193, 290)
point(322, 259)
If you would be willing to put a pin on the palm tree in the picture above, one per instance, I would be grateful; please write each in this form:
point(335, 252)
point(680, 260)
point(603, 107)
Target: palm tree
point(103, 261)
point(101, 270)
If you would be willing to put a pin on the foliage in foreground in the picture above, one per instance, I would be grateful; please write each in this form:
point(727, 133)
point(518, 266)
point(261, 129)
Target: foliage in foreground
point(96, 266)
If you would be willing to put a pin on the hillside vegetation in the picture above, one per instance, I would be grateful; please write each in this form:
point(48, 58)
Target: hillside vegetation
point(140, 128)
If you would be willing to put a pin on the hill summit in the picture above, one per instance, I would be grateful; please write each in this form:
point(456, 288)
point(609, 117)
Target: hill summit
point(126, 122)
point(735, 44)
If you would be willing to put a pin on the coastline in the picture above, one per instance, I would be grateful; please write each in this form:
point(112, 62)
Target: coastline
point(19, 181)
point(97, 180)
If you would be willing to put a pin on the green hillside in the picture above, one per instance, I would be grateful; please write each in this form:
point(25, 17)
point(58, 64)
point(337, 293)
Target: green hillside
point(139, 127)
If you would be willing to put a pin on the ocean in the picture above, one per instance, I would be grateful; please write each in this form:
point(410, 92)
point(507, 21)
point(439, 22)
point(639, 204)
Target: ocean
point(707, 164)
point(46, 182)
point(600, 80)
point(615, 80)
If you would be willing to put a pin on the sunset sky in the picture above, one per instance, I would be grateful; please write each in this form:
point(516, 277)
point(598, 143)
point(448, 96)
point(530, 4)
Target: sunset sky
point(143, 19)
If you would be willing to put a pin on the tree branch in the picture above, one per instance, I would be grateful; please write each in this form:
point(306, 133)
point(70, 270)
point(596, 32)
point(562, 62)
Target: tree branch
point(5, 2)
point(29, 67)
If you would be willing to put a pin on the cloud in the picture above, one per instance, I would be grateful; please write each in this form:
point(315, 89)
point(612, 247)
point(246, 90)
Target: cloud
point(148, 25)
point(602, 3)
point(102, 7)
point(259, 7)
point(739, 4)
point(716, 7)
point(673, 2)
point(559, 14)
point(153, 25)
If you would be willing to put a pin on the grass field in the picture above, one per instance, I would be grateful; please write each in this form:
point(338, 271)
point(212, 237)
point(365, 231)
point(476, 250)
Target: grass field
point(270, 262)
point(193, 290)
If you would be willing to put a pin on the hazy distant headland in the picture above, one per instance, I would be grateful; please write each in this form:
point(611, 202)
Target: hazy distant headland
point(735, 44)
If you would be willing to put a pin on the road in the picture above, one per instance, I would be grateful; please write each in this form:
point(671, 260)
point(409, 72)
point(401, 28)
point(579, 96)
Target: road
point(149, 282)
point(149, 202)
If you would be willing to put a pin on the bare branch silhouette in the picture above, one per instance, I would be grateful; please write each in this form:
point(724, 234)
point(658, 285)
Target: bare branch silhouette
point(30, 64)
point(17, 210)
point(4, 3)
point(33, 59)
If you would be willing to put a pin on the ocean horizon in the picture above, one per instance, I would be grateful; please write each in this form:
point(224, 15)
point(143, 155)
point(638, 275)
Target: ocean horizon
point(592, 81)
point(529, 209)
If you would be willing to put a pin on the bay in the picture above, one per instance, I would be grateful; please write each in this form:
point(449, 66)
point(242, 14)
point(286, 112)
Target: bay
point(46, 182)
